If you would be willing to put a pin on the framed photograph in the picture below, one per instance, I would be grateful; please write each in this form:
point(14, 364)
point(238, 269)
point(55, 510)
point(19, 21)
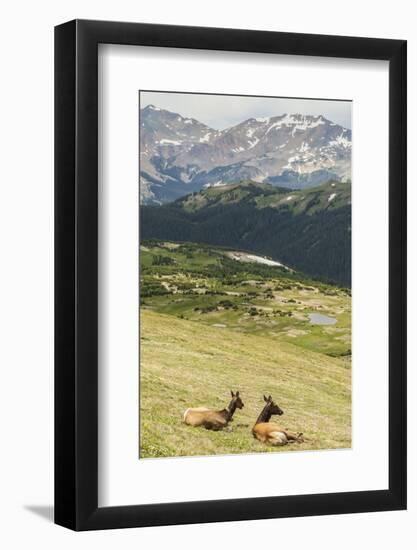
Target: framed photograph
point(230, 245)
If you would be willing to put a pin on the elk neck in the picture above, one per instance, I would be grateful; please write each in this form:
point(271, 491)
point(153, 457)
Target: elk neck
point(230, 411)
point(265, 415)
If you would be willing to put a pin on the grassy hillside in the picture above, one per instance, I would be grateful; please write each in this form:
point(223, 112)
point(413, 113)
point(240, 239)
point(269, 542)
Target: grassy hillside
point(210, 324)
point(187, 363)
point(308, 230)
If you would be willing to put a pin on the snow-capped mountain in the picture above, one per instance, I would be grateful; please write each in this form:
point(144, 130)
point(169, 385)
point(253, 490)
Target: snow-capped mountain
point(179, 155)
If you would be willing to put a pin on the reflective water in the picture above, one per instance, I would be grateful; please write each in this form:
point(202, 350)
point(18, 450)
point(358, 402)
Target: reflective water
point(320, 319)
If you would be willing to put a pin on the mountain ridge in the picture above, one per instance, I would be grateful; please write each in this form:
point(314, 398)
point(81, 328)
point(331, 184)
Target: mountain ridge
point(179, 155)
point(308, 230)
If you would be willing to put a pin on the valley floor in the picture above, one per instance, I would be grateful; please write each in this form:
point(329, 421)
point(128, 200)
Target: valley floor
point(209, 324)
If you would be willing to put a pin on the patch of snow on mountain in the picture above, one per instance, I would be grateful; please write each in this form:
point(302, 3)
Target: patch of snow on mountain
point(169, 142)
point(294, 159)
point(205, 138)
point(301, 163)
point(253, 143)
point(298, 122)
point(188, 121)
point(341, 141)
point(274, 125)
point(332, 196)
point(218, 183)
point(253, 258)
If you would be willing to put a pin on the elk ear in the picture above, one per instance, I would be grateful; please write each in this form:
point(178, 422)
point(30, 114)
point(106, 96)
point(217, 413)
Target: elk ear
point(232, 393)
point(265, 399)
point(270, 398)
point(237, 394)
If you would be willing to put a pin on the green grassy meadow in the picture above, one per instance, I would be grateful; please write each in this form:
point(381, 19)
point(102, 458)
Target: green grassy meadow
point(209, 324)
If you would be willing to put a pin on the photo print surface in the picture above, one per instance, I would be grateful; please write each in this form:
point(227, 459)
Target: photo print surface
point(245, 274)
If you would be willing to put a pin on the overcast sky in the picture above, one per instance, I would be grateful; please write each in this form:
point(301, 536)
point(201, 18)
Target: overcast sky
point(221, 112)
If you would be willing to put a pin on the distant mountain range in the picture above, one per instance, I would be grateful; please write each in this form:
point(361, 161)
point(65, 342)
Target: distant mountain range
point(308, 230)
point(180, 155)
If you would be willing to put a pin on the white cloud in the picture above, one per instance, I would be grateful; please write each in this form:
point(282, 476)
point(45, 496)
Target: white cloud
point(222, 111)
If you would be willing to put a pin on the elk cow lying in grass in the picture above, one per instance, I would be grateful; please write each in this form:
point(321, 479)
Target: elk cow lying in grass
point(212, 419)
point(268, 432)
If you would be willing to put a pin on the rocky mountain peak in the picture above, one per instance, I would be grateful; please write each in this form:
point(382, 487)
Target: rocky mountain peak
point(179, 155)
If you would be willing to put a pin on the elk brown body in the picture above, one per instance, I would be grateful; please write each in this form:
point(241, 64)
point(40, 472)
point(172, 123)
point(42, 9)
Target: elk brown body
point(269, 432)
point(212, 419)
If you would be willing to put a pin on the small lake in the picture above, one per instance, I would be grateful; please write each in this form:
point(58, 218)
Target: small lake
point(320, 319)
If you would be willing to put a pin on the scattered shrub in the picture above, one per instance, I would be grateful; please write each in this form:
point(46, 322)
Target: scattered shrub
point(162, 260)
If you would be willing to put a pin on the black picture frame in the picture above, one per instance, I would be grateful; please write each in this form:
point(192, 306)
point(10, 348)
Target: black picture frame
point(76, 272)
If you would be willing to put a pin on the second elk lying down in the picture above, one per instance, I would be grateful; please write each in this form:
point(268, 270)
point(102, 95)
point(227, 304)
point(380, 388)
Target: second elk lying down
point(269, 432)
point(212, 419)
